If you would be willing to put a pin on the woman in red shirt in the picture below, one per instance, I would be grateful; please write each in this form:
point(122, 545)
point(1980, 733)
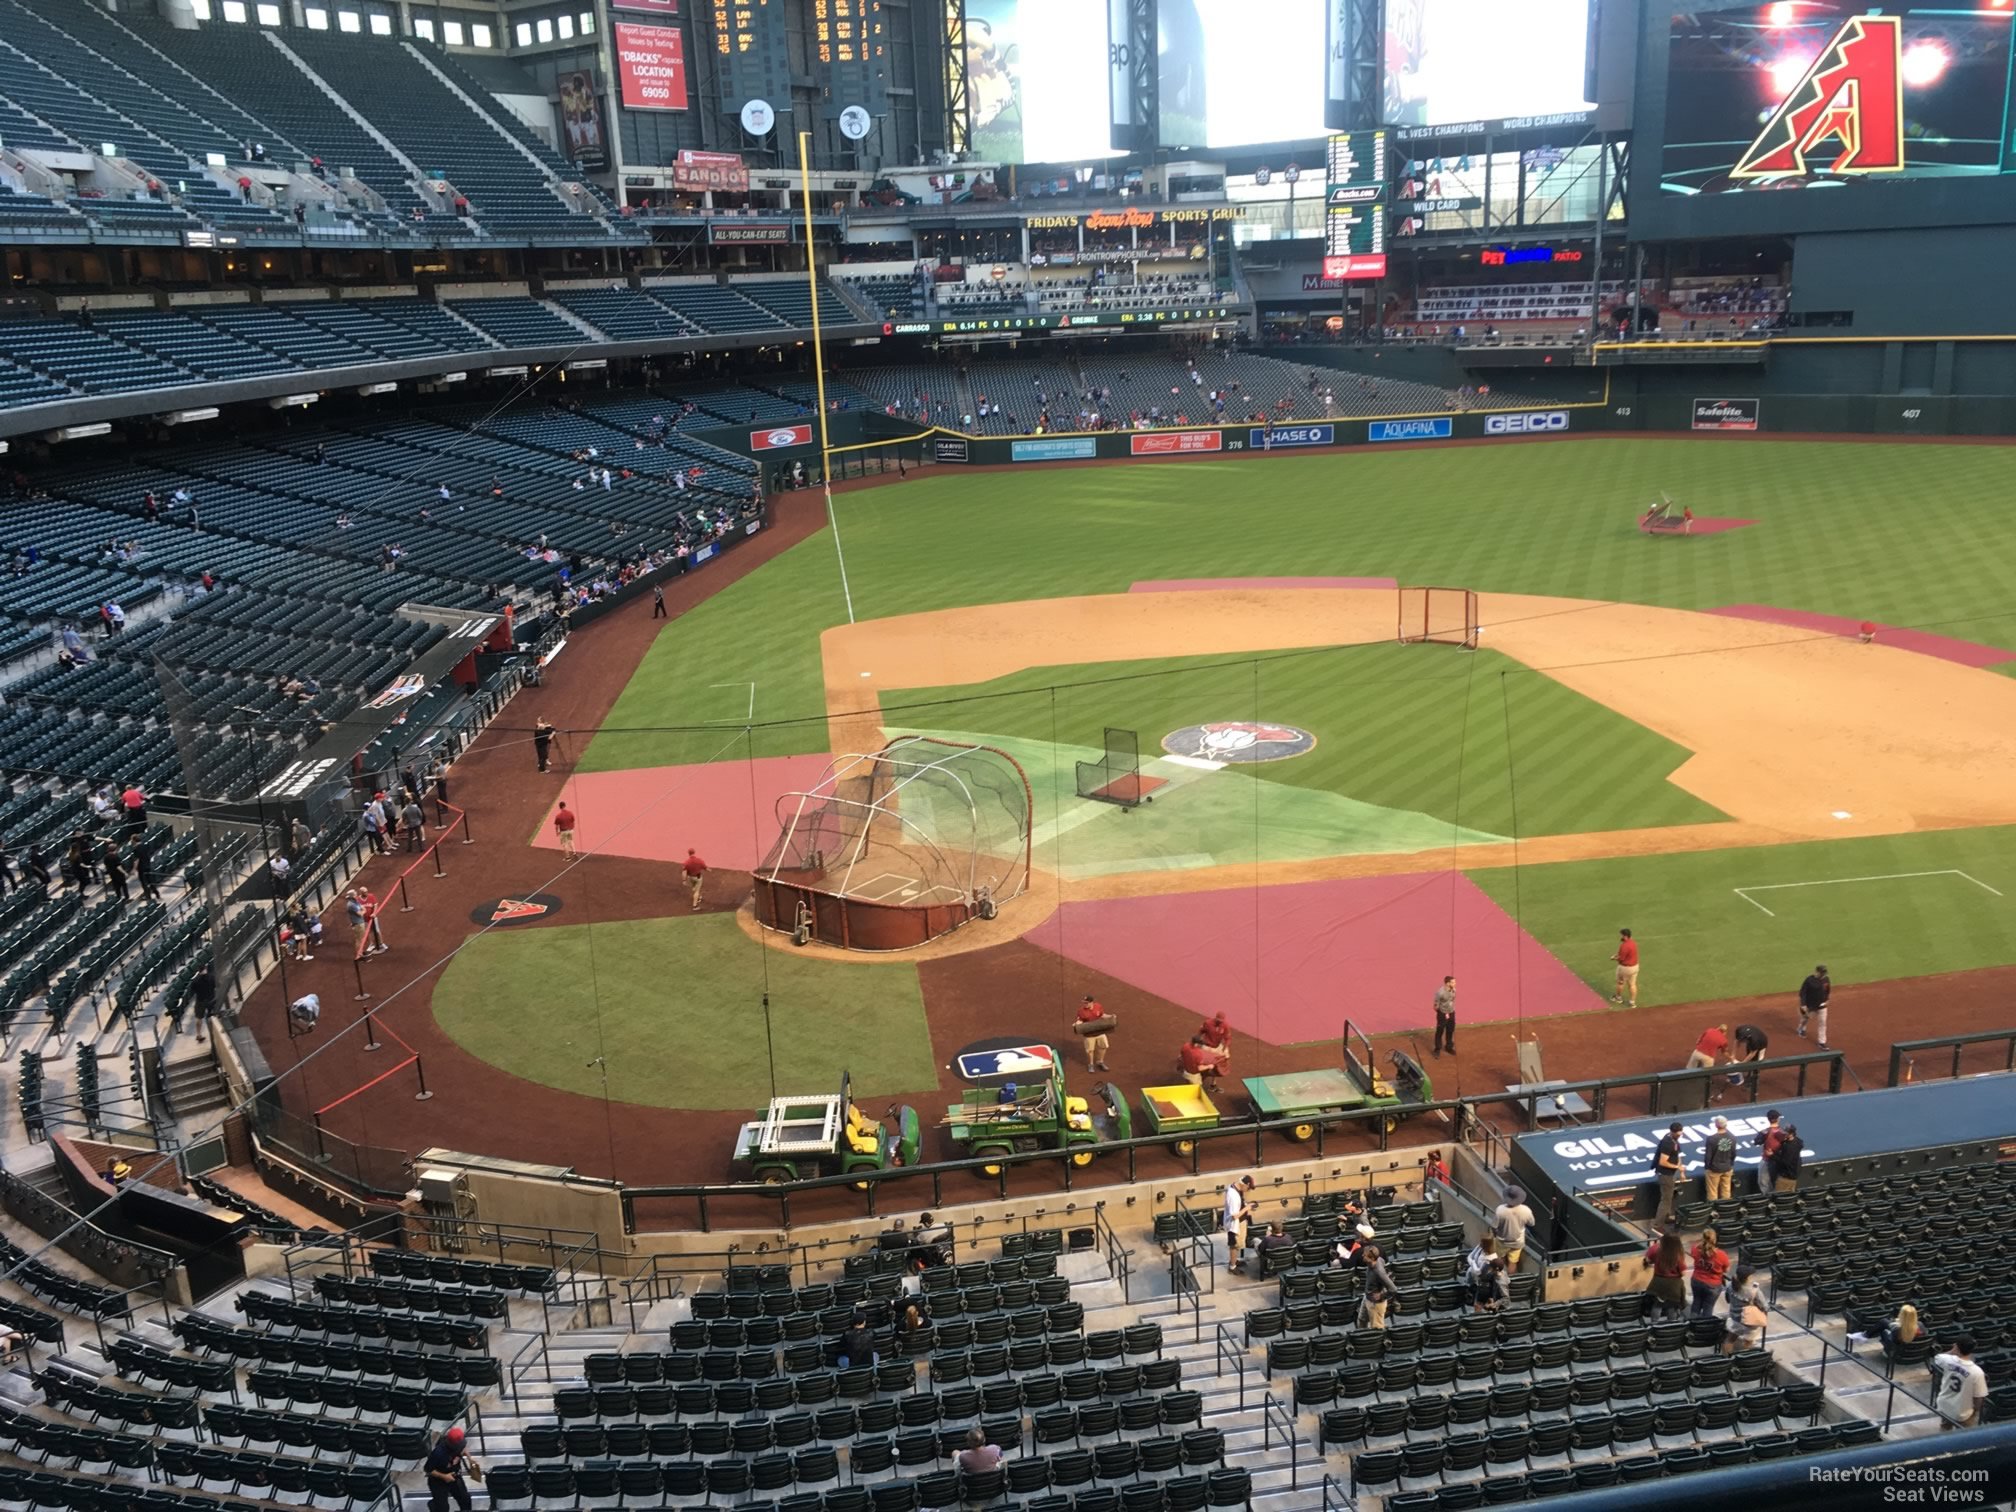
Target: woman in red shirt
point(1711, 1264)
point(1667, 1260)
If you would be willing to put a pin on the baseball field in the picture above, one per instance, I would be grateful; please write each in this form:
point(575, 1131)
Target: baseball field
point(1684, 735)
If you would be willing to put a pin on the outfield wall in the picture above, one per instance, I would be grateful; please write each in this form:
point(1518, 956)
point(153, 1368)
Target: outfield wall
point(1956, 386)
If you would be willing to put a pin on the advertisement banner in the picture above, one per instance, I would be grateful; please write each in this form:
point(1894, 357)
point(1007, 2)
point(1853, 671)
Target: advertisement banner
point(1526, 425)
point(581, 119)
point(1291, 435)
point(1063, 448)
point(1726, 414)
point(651, 67)
point(778, 437)
point(1164, 443)
point(769, 233)
point(1437, 429)
point(949, 449)
point(1359, 265)
point(698, 172)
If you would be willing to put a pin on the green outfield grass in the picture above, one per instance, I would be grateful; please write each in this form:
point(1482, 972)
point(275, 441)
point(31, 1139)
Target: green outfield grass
point(650, 997)
point(1903, 534)
point(1702, 940)
point(1423, 733)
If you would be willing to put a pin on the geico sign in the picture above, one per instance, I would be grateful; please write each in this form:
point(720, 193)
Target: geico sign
point(1522, 425)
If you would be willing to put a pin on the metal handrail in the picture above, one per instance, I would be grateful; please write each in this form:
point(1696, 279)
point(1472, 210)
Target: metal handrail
point(1183, 1286)
point(515, 1368)
point(1345, 1502)
point(1903, 1054)
point(1119, 1258)
point(1233, 1352)
point(1273, 1414)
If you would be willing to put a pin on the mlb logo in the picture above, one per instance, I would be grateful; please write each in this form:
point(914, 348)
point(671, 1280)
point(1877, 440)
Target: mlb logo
point(1006, 1064)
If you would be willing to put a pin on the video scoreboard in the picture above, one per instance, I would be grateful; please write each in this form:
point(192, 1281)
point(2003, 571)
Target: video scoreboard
point(749, 50)
point(1354, 217)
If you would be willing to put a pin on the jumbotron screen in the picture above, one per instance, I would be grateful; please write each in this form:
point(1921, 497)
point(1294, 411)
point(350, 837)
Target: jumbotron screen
point(1235, 73)
point(1808, 94)
point(1037, 75)
point(1483, 60)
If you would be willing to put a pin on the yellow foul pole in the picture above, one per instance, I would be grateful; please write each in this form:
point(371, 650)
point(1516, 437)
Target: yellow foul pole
point(819, 364)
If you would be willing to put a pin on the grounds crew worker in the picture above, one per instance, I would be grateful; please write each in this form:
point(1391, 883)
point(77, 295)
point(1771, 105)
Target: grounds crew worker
point(1813, 995)
point(1089, 1012)
point(1672, 1169)
point(1445, 1017)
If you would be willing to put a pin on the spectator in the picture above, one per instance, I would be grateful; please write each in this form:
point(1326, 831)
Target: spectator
point(1666, 1259)
point(1509, 1222)
point(282, 870)
point(1902, 1329)
point(1743, 1328)
point(1493, 1289)
point(914, 1320)
point(1671, 1168)
point(1349, 1250)
point(1711, 1269)
point(857, 1345)
point(1963, 1385)
point(134, 801)
point(1719, 1160)
point(1785, 1164)
point(203, 997)
point(374, 827)
point(1379, 1293)
point(978, 1455)
point(1750, 1045)
point(446, 1462)
point(1482, 1256)
point(1238, 1213)
point(1767, 1142)
point(413, 820)
point(1433, 1170)
point(377, 934)
point(1277, 1250)
point(542, 741)
point(115, 870)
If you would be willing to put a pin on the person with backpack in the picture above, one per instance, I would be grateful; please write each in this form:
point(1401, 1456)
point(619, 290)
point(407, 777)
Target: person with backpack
point(1719, 1160)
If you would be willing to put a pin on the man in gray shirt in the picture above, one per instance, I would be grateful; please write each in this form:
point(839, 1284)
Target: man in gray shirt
point(1445, 1017)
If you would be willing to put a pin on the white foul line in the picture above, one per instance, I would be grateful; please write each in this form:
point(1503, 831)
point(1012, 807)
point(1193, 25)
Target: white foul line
point(750, 717)
point(1744, 892)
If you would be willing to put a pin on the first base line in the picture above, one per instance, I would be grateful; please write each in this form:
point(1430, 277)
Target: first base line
point(1744, 892)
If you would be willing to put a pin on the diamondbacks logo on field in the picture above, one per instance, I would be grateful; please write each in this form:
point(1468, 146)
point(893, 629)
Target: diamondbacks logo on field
point(1238, 740)
point(524, 910)
point(1853, 94)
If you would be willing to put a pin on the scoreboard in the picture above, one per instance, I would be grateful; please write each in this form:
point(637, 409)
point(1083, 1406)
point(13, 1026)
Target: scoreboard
point(1354, 219)
point(749, 52)
point(850, 40)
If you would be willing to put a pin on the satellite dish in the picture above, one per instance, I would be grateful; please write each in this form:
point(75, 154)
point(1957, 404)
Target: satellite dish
point(758, 118)
point(855, 123)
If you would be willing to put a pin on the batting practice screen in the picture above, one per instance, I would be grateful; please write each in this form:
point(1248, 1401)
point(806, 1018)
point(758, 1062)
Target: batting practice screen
point(1116, 776)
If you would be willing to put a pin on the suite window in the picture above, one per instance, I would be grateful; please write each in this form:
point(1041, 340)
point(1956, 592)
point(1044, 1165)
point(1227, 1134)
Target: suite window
point(544, 31)
point(480, 36)
point(318, 20)
point(269, 15)
point(349, 21)
point(451, 33)
point(234, 12)
point(423, 28)
point(587, 23)
point(381, 26)
point(523, 32)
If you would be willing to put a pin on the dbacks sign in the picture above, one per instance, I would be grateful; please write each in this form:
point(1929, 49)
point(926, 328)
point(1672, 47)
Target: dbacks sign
point(1854, 93)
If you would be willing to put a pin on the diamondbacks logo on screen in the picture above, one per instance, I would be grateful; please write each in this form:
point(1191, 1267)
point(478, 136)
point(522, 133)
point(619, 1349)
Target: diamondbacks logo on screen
point(780, 436)
point(1238, 740)
point(1853, 95)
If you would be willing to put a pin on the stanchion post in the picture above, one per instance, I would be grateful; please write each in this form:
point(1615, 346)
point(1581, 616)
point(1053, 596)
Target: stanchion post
point(465, 828)
point(405, 902)
point(435, 851)
point(357, 969)
point(321, 1149)
point(371, 1032)
point(420, 1070)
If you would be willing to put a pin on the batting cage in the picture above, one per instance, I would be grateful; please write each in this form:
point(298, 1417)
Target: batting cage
point(1116, 776)
point(892, 849)
point(1438, 616)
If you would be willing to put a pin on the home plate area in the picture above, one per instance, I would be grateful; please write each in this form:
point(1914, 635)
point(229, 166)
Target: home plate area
point(1289, 971)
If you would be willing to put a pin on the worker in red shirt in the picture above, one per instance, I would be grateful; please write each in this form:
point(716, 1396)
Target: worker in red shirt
point(1217, 1035)
point(372, 932)
point(1090, 1012)
point(1709, 1048)
point(696, 875)
point(135, 802)
point(1627, 969)
point(563, 826)
point(1198, 1062)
